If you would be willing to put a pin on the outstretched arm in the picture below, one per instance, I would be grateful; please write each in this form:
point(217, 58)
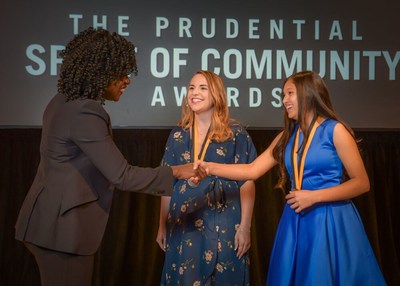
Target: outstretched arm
point(251, 171)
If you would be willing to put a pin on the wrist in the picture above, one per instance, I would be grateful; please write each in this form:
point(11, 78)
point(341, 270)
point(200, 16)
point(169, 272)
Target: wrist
point(210, 168)
point(174, 171)
point(244, 229)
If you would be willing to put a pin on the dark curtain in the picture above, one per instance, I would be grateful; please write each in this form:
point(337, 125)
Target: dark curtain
point(129, 254)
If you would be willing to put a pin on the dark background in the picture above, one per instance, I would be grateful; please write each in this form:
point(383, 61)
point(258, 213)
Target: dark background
point(130, 255)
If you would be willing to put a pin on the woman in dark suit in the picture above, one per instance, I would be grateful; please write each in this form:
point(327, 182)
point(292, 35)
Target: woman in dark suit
point(65, 212)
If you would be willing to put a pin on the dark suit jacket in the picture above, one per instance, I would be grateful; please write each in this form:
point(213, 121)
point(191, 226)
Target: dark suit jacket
point(67, 206)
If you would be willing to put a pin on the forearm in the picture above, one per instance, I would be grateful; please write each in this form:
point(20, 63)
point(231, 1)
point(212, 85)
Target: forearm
point(180, 172)
point(244, 172)
point(345, 191)
point(164, 209)
point(239, 172)
point(247, 198)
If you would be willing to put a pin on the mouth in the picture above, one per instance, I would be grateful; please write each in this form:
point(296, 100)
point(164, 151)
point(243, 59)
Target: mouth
point(196, 100)
point(288, 107)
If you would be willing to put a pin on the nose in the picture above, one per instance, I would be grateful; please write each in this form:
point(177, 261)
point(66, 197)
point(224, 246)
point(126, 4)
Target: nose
point(127, 80)
point(196, 90)
point(284, 98)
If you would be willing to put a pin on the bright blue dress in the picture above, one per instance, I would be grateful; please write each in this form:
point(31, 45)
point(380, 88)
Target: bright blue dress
point(327, 244)
point(202, 221)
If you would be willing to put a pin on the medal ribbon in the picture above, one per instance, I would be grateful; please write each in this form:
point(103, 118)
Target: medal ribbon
point(299, 170)
point(196, 154)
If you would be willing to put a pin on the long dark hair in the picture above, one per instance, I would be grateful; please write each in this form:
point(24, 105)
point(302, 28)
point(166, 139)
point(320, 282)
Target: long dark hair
point(312, 97)
point(91, 61)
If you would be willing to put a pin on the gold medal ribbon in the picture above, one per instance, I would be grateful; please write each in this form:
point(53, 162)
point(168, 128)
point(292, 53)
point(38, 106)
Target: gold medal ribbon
point(299, 170)
point(196, 154)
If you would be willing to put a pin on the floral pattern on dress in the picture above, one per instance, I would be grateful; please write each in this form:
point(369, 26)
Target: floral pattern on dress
point(202, 221)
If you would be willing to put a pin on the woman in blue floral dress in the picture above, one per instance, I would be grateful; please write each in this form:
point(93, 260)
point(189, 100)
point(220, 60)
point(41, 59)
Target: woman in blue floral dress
point(205, 228)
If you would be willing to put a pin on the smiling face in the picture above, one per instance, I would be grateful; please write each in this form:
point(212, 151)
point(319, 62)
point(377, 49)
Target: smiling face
point(199, 96)
point(290, 100)
point(116, 88)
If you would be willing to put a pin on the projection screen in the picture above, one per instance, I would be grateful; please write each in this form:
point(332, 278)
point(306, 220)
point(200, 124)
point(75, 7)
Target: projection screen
point(254, 45)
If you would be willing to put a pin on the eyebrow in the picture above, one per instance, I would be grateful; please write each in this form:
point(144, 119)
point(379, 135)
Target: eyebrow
point(201, 85)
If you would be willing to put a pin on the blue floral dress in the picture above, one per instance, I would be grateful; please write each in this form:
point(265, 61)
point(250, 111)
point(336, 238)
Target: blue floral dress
point(203, 220)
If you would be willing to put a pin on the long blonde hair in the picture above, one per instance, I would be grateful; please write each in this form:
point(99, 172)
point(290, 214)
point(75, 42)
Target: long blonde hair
point(220, 121)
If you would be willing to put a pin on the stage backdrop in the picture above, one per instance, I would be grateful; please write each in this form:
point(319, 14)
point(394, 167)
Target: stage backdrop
point(253, 45)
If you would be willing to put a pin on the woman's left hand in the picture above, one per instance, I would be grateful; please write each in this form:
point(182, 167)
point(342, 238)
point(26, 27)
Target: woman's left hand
point(299, 200)
point(242, 242)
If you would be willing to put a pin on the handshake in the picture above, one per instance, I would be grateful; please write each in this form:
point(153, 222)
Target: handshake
point(194, 172)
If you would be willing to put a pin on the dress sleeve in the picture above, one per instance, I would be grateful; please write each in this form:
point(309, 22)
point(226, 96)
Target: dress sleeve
point(169, 158)
point(176, 152)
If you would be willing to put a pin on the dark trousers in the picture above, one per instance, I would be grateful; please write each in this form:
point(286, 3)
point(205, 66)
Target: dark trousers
point(62, 269)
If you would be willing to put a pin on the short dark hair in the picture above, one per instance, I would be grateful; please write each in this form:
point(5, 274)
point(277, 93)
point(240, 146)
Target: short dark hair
point(91, 61)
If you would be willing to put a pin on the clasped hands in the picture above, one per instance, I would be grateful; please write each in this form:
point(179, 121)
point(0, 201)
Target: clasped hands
point(191, 171)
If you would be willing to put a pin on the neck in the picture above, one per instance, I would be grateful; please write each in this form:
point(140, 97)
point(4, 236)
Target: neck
point(309, 119)
point(203, 122)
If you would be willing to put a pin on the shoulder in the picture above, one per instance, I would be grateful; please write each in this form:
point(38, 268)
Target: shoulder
point(334, 127)
point(238, 129)
point(79, 105)
point(87, 115)
point(89, 108)
point(178, 134)
point(241, 137)
point(340, 130)
point(240, 133)
point(90, 105)
point(329, 123)
point(328, 127)
point(177, 131)
point(337, 132)
point(74, 109)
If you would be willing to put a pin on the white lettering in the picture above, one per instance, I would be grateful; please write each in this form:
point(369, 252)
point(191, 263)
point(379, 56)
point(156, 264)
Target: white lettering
point(158, 97)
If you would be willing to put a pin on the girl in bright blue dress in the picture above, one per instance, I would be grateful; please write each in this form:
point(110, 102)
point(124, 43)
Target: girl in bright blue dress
point(320, 238)
point(205, 229)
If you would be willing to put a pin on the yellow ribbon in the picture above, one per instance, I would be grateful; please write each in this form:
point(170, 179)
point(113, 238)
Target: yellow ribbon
point(204, 146)
point(299, 170)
